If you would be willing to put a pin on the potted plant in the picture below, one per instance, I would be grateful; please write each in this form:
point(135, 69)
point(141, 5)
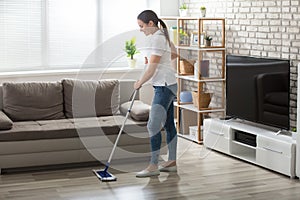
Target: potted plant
point(183, 10)
point(131, 50)
point(183, 37)
point(203, 11)
point(208, 40)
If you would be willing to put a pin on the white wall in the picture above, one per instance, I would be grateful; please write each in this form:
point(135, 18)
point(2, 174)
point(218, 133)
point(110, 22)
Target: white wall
point(169, 8)
point(164, 7)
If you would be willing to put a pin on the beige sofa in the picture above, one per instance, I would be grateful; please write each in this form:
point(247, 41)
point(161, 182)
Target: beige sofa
point(69, 121)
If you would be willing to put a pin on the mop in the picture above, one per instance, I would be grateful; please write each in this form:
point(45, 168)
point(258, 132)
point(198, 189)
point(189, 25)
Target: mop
point(103, 174)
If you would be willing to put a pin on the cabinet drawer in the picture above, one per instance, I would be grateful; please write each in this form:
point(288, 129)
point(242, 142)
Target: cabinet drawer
point(216, 141)
point(217, 127)
point(275, 146)
point(276, 161)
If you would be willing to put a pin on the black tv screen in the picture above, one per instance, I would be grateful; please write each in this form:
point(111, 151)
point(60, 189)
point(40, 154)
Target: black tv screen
point(257, 90)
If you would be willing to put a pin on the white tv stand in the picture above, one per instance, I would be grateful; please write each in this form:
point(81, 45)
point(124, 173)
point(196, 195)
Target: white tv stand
point(253, 143)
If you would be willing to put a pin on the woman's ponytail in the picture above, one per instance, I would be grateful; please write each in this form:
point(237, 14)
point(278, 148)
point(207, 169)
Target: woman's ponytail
point(165, 31)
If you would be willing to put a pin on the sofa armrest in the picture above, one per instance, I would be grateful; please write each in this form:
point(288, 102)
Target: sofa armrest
point(5, 122)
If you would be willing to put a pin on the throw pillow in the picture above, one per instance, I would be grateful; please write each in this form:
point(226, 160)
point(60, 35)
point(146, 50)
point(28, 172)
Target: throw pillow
point(139, 111)
point(84, 98)
point(33, 101)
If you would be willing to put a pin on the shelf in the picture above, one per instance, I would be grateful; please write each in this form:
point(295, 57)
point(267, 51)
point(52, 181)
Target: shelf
point(250, 157)
point(196, 48)
point(243, 144)
point(210, 65)
point(188, 18)
point(192, 78)
point(188, 137)
point(191, 107)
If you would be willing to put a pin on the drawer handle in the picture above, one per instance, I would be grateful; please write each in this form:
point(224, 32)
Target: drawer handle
point(269, 149)
point(215, 133)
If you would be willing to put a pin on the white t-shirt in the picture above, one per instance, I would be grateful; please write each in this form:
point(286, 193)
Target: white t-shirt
point(165, 73)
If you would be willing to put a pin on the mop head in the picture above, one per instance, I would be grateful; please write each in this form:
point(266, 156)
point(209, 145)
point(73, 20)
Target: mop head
point(104, 175)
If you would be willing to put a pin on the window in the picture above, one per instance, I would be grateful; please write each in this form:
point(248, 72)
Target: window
point(20, 34)
point(72, 30)
point(51, 34)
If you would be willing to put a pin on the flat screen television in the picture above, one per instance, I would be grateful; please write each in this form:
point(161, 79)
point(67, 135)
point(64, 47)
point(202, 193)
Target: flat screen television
point(257, 90)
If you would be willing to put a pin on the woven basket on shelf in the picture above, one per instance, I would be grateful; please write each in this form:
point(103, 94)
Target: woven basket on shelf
point(205, 98)
point(186, 67)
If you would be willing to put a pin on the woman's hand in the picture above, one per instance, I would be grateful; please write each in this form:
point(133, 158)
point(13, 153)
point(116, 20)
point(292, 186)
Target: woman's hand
point(137, 85)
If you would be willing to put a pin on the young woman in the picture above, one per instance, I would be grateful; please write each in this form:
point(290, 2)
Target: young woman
point(161, 73)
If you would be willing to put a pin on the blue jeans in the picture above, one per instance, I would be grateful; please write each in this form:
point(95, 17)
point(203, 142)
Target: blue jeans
point(162, 115)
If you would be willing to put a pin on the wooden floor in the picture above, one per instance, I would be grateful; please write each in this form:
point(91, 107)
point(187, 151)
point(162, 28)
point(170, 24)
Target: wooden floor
point(202, 174)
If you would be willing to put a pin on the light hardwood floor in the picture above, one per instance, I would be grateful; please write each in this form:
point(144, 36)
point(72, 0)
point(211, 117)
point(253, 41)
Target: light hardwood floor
point(202, 174)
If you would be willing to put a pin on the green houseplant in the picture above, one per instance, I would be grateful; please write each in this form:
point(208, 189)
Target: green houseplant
point(203, 11)
point(131, 50)
point(183, 10)
point(208, 40)
point(183, 6)
point(183, 37)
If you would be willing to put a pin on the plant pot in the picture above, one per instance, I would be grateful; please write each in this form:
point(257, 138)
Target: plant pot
point(183, 12)
point(203, 13)
point(208, 43)
point(131, 62)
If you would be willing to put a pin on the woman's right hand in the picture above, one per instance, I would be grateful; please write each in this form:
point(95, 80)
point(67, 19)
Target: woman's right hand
point(137, 85)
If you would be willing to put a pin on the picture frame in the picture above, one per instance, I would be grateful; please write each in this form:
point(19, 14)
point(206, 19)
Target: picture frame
point(202, 41)
point(194, 39)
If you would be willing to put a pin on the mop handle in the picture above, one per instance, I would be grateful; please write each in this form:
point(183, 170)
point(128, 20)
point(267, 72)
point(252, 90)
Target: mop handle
point(121, 130)
point(126, 117)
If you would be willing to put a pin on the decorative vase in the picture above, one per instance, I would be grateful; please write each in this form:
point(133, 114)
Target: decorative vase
point(203, 13)
point(131, 62)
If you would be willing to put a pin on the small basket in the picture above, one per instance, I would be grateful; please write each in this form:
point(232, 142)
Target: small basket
point(205, 98)
point(186, 67)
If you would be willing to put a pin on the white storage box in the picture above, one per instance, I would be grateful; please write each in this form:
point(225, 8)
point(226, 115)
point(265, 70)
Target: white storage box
point(193, 132)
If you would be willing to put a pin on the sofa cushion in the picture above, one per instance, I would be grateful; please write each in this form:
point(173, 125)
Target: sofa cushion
point(70, 128)
point(90, 98)
point(5, 122)
point(33, 100)
point(139, 111)
point(32, 130)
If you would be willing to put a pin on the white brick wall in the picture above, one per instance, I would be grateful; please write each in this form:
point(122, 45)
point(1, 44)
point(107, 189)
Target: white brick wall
point(263, 28)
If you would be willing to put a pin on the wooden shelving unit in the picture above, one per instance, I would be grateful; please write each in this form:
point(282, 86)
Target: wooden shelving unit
point(200, 51)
